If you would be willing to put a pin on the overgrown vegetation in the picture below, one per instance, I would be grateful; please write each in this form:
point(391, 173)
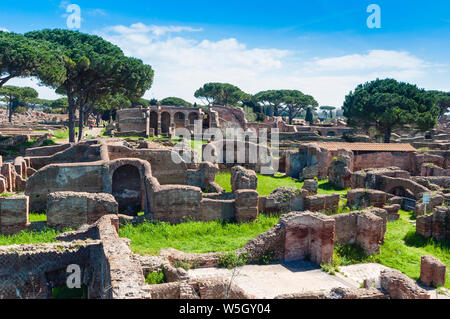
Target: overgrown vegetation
point(155, 278)
point(267, 184)
point(196, 237)
point(231, 260)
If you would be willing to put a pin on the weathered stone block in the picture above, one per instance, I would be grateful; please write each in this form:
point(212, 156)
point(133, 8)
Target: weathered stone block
point(432, 271)
point(72, 210)
point(14, 210)
point(362, 198)
point(370, 232)
point(242, 178)
point(311, 186)
point(424, 226)
point(392, 212)
point(246, 205)
point(399, 286)
point(322, 203)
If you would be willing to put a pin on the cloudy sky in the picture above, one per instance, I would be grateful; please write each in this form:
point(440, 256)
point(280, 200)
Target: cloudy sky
point(323, 48)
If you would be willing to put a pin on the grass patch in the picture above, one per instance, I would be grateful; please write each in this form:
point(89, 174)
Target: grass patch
point(195, 237)
point(267, 184)
point(45, 236)
point(66, 293)
point(37, 218)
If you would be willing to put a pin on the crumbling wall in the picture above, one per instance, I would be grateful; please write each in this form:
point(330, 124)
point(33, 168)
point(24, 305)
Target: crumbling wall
point(33, 270)
point(13, 214)
point(72, 210)
point(364, 228)
point(283, 200)
point(309, 236)
point(436, 225)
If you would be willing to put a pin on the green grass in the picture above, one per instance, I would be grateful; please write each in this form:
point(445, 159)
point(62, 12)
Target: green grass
point(402, 250)
point(267, 184)
point(47, 235)
point(196, 237)
point(37, 218)
point(66, 293)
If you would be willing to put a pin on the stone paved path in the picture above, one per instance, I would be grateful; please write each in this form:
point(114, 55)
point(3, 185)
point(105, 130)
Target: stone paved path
point(269, 281)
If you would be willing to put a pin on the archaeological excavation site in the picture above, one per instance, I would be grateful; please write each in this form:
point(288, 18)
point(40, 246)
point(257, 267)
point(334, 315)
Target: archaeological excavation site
point(208, 169)
point(139, 219)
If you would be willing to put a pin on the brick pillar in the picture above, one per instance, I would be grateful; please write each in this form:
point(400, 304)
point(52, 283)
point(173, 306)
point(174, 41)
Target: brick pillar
point(432, 271)
point(246, 205)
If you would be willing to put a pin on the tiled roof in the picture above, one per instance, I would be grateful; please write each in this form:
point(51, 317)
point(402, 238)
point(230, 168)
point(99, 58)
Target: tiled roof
point(370, 147)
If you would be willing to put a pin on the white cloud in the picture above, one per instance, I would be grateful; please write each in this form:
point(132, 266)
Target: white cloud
point(374, 59)
point(97, 12)
point(4, 29)
point(183, 64)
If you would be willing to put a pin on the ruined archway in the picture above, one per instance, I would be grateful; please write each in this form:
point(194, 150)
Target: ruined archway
point(126, 189)
point(402, 192)
point(165, 123)
point(179, 119)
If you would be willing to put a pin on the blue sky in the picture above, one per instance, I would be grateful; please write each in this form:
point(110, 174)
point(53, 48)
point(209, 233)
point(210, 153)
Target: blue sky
point(323, 48)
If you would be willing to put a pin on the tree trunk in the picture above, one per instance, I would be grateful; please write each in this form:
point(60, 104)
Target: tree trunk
point(10, 112)
point(71, 110)
point(80, 124)
point(387, 135)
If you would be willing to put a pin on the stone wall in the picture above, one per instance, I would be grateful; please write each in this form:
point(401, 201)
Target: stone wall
point(13, 214)
point(436, 225)
point(403, 160)
point(322, 203)
point(33, 270)
point(309, 236)
point(364, 228)
point(72, 210)
point(283, 200)
point(242, 178)
point(362, 198)
point(399, 286)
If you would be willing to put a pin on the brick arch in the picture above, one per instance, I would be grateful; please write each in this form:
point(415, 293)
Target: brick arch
point(390, 185)
point(131, 182)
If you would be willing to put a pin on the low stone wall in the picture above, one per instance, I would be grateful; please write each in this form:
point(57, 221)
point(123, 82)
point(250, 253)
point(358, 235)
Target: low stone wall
point(362, 198)
point(433, 170)
point(322, 203)
point(13, 214)
point(72, 210)
point(283, 200)
point(46, 150)
point(399, 286)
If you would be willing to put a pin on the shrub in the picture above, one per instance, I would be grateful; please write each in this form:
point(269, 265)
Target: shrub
point(155, 278)
point(231, 260)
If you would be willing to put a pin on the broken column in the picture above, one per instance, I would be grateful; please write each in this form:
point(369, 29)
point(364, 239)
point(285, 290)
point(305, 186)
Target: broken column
point(246, 205)
point(242, 178)
point(13, 214)
point(432, 271)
